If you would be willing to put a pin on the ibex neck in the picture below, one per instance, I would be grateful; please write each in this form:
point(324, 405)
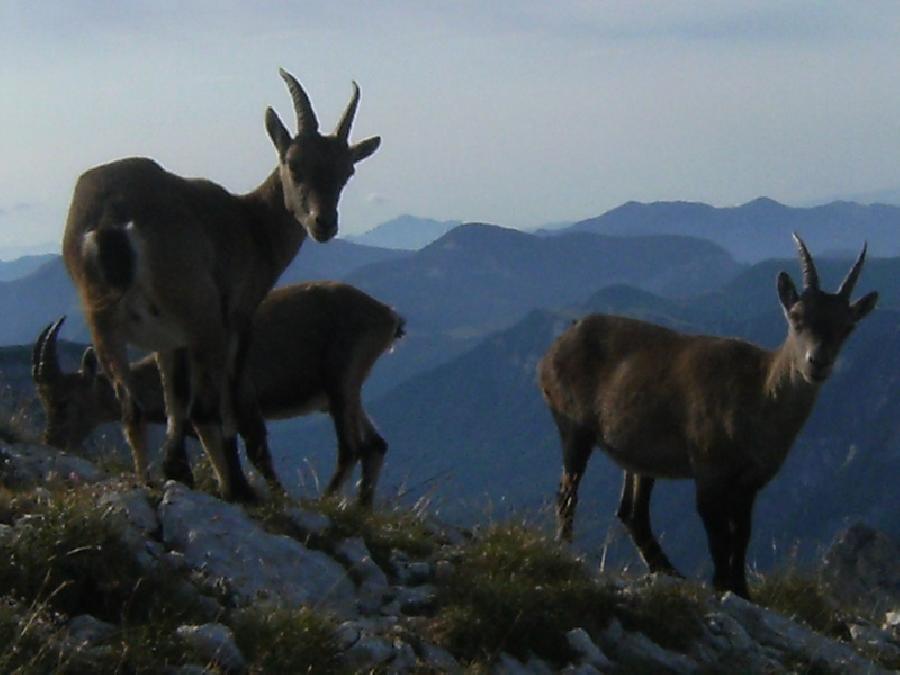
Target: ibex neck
point(784, 380)
point(280, 231)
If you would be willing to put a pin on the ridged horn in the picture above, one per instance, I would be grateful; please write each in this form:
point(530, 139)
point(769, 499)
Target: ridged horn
point(44, 359)
point(343, 128)
point(36, 353)
point(810, 276)
point(307, 124)
point(850, 281)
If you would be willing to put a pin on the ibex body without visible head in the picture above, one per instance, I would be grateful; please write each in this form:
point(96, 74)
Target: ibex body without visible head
point(720, 411)
point(312, 348)
point(177, 267)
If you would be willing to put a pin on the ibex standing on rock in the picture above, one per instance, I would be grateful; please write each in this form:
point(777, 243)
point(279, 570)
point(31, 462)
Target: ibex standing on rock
point(177, 266)
point(313, 346)
point(721, 411)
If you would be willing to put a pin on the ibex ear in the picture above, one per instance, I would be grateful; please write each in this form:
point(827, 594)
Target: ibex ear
point(860, 308)
point(359, 151)
point(787, 292)
point(89, 363)
point(279, 135)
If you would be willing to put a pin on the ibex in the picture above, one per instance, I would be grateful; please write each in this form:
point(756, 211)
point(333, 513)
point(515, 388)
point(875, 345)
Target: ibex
point(313, 347)
point(177, 266)
point(718, 410)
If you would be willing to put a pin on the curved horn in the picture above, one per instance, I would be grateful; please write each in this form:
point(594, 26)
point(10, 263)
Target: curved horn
point(36, 374)
point(810, 276)
point(48, 361)
point(343, 128)
point(847, 284)
point(307, 124)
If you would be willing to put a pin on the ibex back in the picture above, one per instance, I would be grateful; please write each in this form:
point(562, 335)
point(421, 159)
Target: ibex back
point(720, 411)
point(177, 267)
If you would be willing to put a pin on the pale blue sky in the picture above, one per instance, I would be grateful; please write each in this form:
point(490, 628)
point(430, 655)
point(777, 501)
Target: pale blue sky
point(517, 113)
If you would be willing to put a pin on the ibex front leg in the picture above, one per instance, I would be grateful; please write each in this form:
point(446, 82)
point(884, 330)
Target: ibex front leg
point(373, 449)
point(213, 419)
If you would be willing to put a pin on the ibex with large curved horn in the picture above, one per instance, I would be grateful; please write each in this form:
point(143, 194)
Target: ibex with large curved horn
point(177, 266)
point(721, 411)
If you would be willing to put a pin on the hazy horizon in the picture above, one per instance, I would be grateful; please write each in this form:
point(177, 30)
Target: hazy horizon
point(517, 115)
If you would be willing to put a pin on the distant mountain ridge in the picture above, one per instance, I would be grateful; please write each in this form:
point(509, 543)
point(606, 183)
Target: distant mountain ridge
point(30, 302)
point(405, 232)
point(760, 228)
point(23, 265)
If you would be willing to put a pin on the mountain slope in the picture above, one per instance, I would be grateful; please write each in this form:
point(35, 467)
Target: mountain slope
point(30, 302)
point(20, 267)
point(479, 278)
point(761, 228)
point(405, 232)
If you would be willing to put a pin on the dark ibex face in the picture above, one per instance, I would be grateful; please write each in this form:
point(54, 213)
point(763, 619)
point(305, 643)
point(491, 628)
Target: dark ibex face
point(819, 322)
point(315, 168)
point(74, 405)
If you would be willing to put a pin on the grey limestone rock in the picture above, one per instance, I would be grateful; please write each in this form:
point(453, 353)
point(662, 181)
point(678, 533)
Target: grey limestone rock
point(221, 542)
point(214, 642)
point(24, 465)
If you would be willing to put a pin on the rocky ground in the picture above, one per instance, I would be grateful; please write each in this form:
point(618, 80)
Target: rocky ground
point(389, 593)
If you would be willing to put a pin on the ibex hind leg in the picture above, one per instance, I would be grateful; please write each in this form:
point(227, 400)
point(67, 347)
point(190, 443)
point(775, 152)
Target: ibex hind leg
point(113, 357)
point(634, 512)
point(577, 443)
point(174, 372)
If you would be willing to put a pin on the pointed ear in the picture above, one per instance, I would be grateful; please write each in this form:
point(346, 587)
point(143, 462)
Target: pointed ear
point(359, 151)
point(89, 363)
point(279, 135)
point(860, 308)
point(787, 292)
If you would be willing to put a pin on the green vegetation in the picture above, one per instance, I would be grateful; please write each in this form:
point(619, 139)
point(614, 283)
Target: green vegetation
point(511, 589)
point(286, 641)
point(669, 614)
point(802, 598)
point(386, 528)
point(515, 590)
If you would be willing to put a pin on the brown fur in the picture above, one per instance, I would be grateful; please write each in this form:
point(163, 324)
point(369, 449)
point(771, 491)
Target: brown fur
point(718, 410)
point(177, 266)
point(313, 346)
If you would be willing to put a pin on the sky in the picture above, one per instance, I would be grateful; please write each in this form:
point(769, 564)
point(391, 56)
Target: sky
point(516, 113)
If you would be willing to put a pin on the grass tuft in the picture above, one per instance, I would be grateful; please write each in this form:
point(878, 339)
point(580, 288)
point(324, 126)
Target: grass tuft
point(286, 641)
point(383, 529)
point(800, 597)
point(669, 613)
point(517, 591)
